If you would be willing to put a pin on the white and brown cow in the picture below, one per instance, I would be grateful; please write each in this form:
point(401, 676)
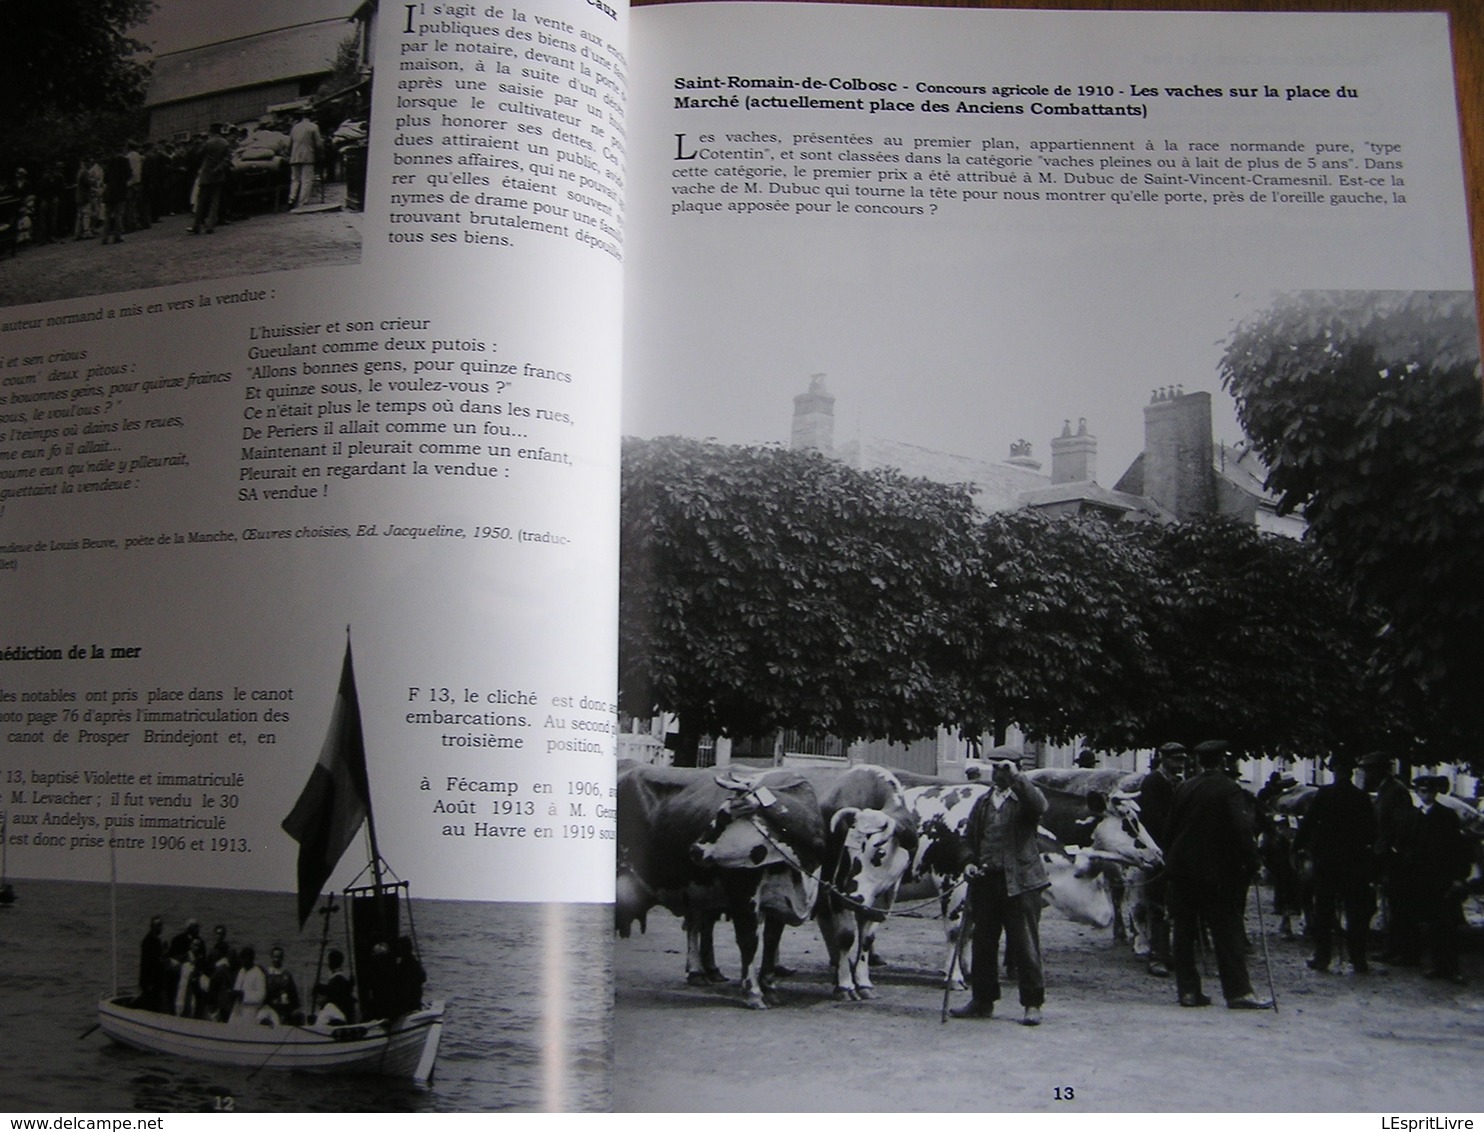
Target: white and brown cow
point(872, 836)
point(1095, 814)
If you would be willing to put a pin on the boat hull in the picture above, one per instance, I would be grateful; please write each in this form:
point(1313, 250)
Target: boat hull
point(405, 1048)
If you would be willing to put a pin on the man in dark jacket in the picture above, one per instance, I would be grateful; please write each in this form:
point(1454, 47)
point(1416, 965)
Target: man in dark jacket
point(1001, 858)
point(211, 180)
point(1156, 796)
point(1395, 817)
point(1339, 835)
point(1212, 858)
point(1440, 857)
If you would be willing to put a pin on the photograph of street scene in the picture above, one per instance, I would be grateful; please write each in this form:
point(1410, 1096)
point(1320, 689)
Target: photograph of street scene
point(138, 128)
point(1152, 654)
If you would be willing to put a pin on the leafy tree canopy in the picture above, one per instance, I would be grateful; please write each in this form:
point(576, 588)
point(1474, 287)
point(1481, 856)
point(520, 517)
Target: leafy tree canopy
point(1367, 408)
point(68, 66)
point(763, 588)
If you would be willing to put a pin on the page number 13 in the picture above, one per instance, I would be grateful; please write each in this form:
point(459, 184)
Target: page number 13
point(1064, 1093)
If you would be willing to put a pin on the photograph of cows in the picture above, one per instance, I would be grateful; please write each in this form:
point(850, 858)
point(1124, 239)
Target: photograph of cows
point(135, 130)
point(1162, 795)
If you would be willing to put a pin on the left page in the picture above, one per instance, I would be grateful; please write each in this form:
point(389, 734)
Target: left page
point(308, 466)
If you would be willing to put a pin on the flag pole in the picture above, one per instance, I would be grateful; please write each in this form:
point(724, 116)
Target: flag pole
point(377, 881)
point(370, 809)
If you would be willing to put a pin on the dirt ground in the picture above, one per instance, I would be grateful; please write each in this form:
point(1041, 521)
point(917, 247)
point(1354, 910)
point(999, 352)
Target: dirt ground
point(321, 236)
point(1113, 1038)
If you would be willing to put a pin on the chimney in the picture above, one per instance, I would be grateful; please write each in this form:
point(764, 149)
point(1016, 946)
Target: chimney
point(1178, 453)
point(814, 419)
point(1020, 456)
point(1074, 458)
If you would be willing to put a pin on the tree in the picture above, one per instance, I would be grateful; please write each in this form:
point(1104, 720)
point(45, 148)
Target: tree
point(1257, 645)
point(1132, 635)
point(1061, 615)
point(69, 73)
point(1366, 407)
point(763, 588)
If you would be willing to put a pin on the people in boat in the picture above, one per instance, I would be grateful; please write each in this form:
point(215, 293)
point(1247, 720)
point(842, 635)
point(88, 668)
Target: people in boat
point(152, 968)
point(326, 1014)
point(408, 977)
point(192, 991)
point(250, 992)
point(180, 944)
point(221, 978)
point(339, 987)
point(378, 997)
point(219, 941)
point(175, 958)
point(283, 992)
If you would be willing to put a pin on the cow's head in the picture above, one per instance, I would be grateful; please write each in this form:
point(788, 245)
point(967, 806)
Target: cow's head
point(1120, 833)
point(872, 857)
point(1078, 889)
point(745, 833)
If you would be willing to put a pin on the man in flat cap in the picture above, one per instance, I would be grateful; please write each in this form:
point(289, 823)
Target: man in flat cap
point(1156, 796)
point(1001, 858)
point(1339, 835)
point(1212, 858)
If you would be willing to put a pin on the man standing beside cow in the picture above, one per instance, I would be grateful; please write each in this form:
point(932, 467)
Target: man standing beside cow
point(1211, 860)
point(1156, 797)
point(1001, 858)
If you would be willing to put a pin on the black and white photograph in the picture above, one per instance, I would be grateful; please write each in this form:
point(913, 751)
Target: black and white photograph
point(1195, 734)
point(1049, 637)
point(136, 129)
point(317, 997)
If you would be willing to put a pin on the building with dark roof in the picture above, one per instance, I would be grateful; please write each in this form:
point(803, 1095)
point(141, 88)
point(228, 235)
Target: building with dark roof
point(1182, 473)
point(239, 80)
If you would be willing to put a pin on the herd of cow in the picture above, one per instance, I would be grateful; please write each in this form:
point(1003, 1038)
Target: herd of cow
point(776, 848)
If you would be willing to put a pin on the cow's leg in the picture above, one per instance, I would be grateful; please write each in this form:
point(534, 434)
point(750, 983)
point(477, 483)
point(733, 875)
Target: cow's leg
point(700, 950)
point(695, 974)
point(866, 931)
point(708, 949)
point(835, 927)
point(746, 918)
point(1116, 891)
point(770, 970)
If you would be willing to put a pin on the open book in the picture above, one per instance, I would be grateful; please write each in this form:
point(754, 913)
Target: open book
point(324, 324)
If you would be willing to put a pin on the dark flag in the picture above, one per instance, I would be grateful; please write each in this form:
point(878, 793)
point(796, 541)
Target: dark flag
point(335, 800)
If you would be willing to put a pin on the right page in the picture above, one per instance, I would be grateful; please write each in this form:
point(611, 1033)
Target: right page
point(1012, 395)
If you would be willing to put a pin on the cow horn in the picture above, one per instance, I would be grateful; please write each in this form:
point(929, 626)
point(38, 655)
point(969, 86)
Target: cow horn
point(848, 813)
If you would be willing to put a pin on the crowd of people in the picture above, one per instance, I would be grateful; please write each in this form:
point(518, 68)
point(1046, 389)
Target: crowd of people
point(1364, 847)
point(108, 194)
point(191, 977)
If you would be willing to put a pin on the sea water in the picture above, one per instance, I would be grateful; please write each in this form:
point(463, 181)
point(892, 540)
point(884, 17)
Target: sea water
point(527, 987)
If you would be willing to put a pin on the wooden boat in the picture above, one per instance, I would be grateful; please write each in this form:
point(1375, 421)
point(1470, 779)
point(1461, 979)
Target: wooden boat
point(404, 1047)
point(402, 1039)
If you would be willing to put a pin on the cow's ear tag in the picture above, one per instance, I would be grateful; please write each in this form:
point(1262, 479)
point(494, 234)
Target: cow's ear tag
point(765, 797)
